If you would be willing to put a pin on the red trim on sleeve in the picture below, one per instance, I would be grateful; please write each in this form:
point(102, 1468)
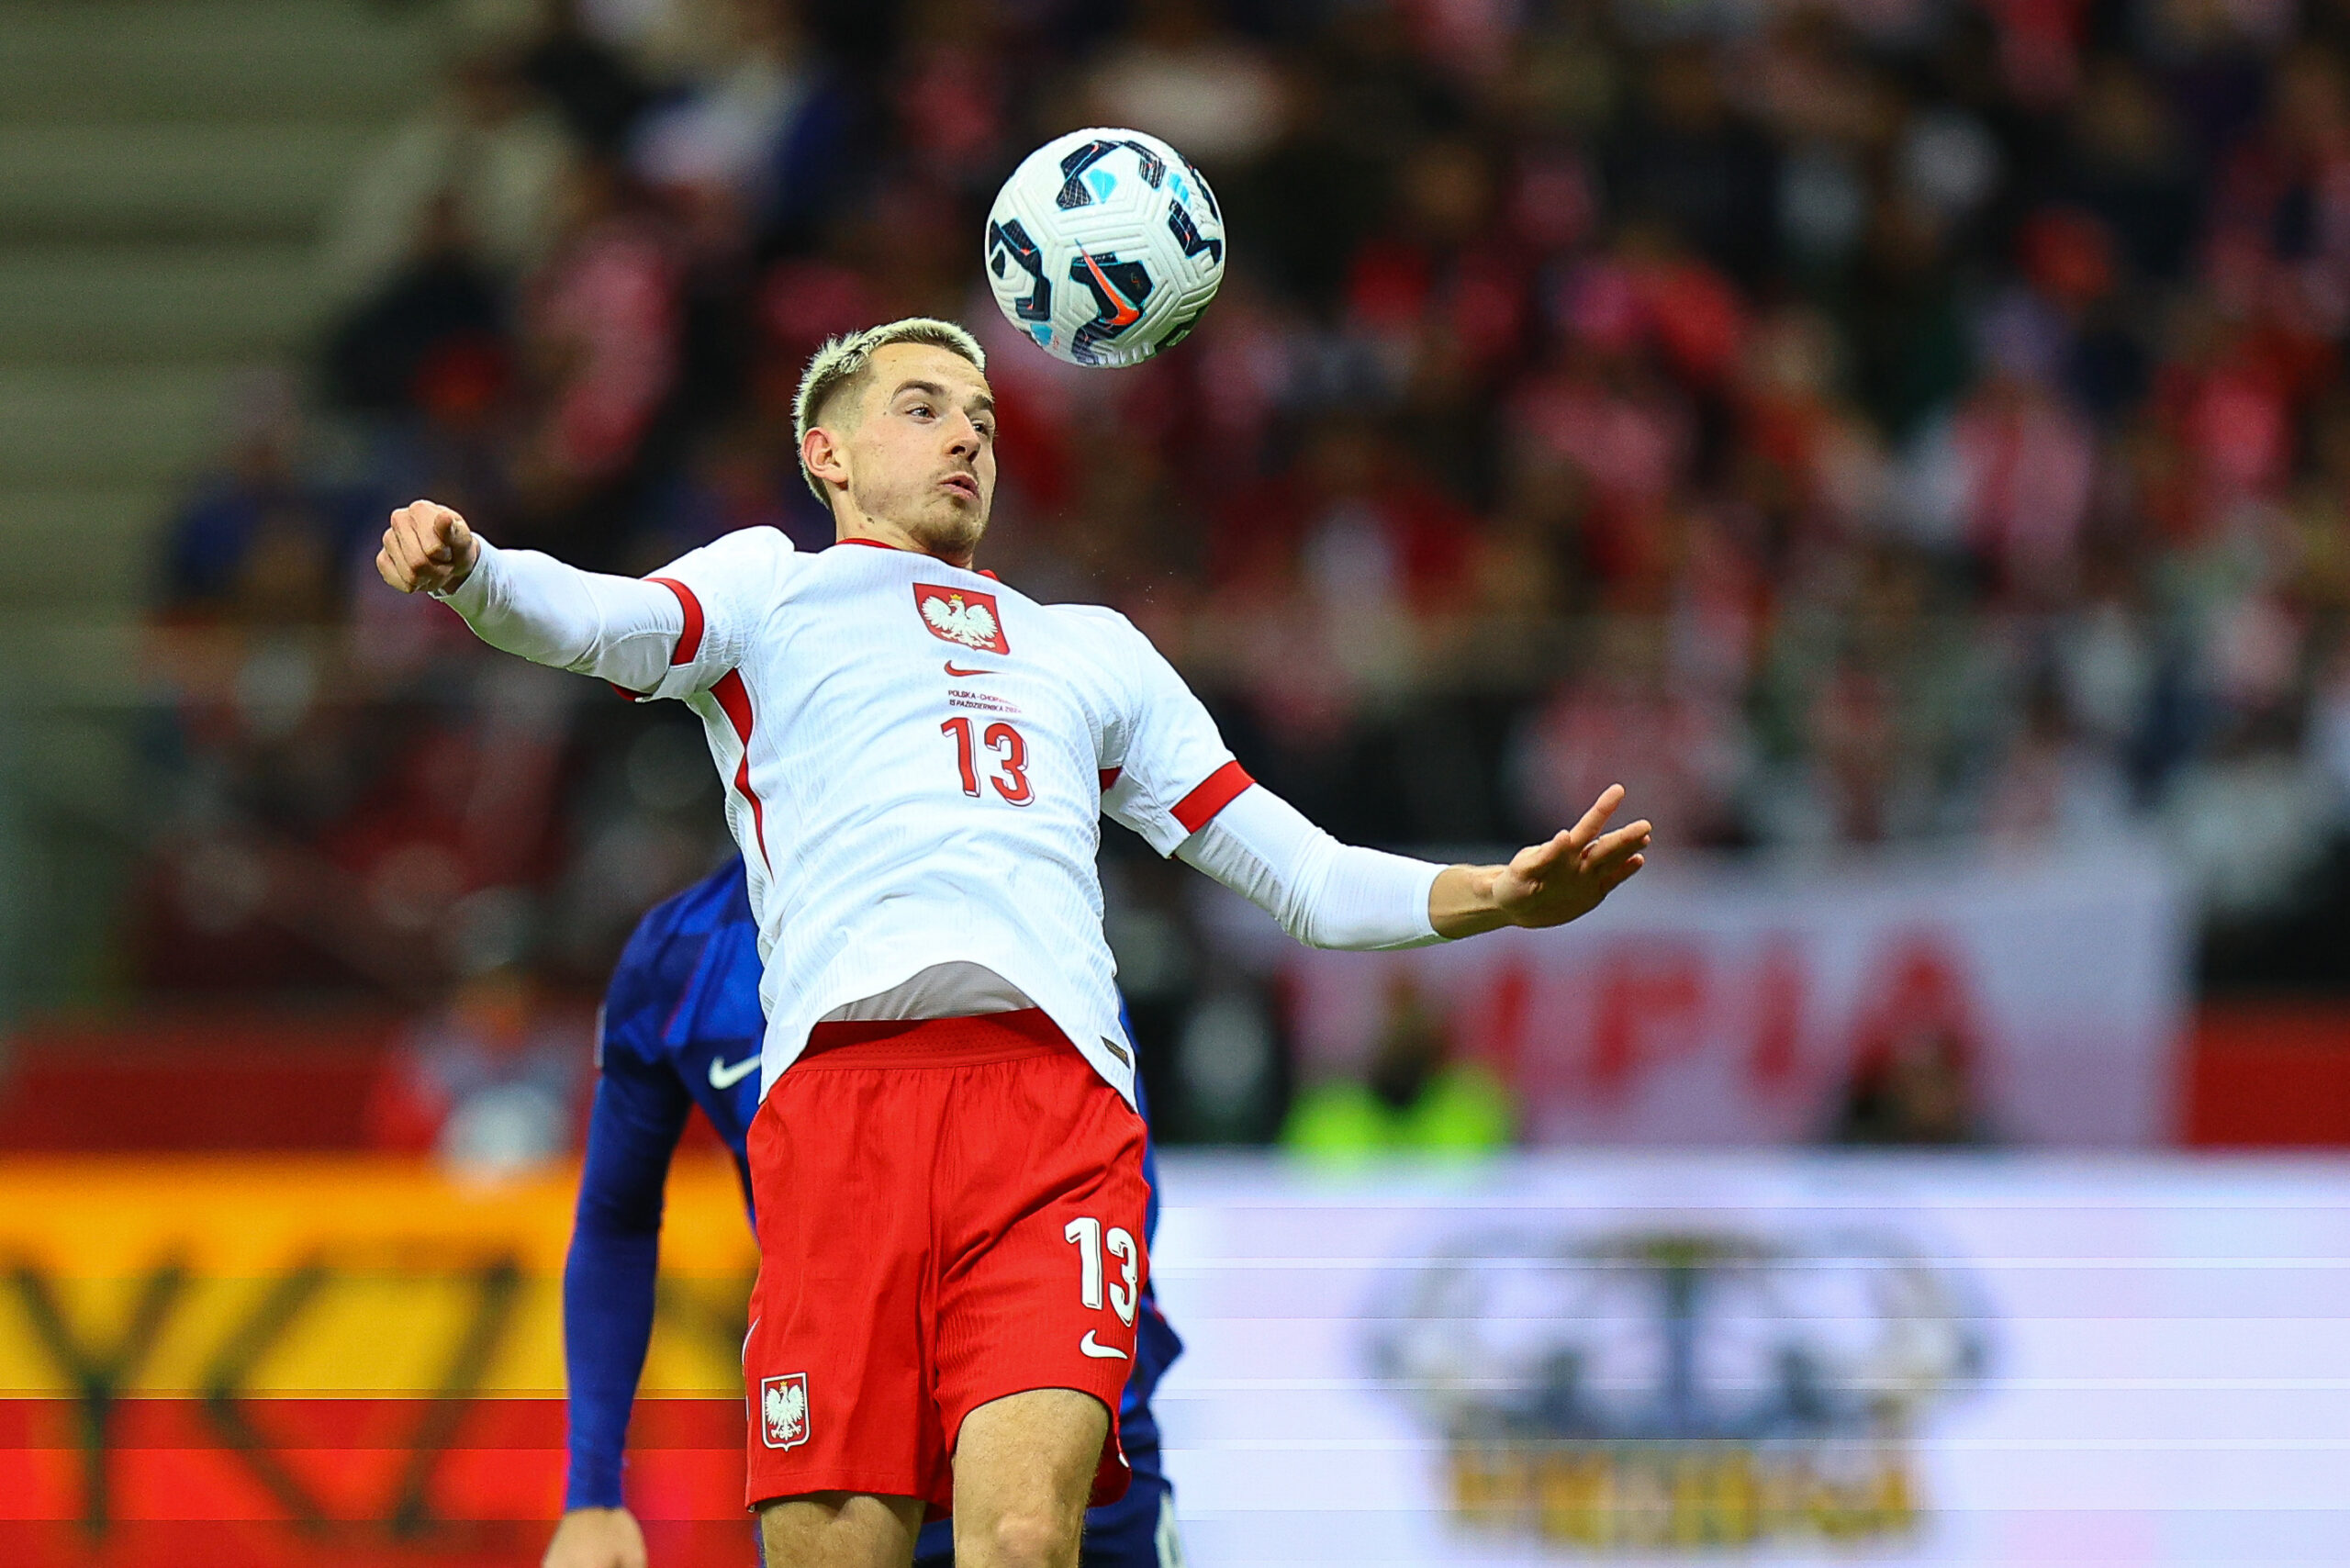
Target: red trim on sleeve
point(1220, 789)
point(625, 694)
point(736, 699)
point(1110, 778)
point(688, 640)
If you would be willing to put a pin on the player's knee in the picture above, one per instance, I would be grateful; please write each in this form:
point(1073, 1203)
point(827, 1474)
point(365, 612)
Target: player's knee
point(1021, 1537)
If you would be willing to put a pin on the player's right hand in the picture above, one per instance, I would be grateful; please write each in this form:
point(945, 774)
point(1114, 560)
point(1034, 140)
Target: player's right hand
point(427, 549)
point(597, 1537)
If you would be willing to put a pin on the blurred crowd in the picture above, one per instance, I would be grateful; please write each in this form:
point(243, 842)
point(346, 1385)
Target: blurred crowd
point(1842, 422)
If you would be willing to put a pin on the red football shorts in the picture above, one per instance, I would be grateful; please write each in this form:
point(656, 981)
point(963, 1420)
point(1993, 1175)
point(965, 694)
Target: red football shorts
point(949, 1212)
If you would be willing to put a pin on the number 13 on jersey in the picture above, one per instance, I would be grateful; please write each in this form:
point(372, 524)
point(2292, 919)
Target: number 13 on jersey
point(1086, 1233)
point(1010, 763)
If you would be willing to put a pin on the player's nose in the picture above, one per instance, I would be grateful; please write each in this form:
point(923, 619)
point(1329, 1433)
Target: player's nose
point(964, 436)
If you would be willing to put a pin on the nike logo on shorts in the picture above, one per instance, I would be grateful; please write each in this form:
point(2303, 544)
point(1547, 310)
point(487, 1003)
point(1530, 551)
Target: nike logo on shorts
point(1098, 1350)
point(724, 1077)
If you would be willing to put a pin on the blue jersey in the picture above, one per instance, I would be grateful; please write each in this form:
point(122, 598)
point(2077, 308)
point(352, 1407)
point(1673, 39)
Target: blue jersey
point(681, 1028)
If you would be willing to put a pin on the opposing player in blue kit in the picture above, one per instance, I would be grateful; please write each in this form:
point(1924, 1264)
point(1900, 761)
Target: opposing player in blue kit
point(681, 1028)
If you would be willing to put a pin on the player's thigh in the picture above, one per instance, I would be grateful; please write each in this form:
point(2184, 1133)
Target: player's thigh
point(839, 1530)
point(1023, 1467)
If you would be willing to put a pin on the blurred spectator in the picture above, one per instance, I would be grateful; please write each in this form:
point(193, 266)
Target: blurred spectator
point(490, 1087)
point(1677, 750)
point(1914, 1091)
point(1689, 162)
point(261, 538)
point(599, 350)
point(1209, 92)
point(484, 159)
point(1415, 1099)
point(593, 85)
point(727, 136)
point(435, 329)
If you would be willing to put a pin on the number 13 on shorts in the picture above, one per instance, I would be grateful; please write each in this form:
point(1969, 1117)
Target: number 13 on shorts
point(1090, 1241)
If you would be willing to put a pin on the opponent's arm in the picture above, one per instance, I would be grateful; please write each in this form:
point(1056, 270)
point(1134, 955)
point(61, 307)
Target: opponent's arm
point(524, 602)
point(608, 1291)
point(1328, 894)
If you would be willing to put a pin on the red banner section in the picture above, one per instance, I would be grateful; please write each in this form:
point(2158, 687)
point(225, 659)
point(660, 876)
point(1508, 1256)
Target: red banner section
point(330, 1360)
point(272, 1481)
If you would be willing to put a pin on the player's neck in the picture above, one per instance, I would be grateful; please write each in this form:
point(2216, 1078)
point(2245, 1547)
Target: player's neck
point(888, 536)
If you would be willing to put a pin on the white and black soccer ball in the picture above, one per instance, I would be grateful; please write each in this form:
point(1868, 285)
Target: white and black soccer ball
point(1104, 247)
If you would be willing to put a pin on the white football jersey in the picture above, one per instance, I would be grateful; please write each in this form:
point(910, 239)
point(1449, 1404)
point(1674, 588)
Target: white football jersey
point(916, 758)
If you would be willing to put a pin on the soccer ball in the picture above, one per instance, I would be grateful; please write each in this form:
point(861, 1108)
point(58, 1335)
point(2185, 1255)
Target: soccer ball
point(1104, 246)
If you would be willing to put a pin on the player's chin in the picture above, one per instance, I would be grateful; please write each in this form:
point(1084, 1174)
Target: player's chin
point(962, 518)
point(954, 526)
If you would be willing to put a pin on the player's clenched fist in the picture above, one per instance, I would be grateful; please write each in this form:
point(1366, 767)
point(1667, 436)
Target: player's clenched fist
point(427, 548)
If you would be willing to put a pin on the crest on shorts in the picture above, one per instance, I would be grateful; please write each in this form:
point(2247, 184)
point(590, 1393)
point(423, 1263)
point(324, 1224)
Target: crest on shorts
point(783, 1410)
point(961, 616)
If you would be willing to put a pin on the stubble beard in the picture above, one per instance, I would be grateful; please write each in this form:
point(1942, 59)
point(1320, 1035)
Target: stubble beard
point(947, 531)
point(931, 522)
point(955, 534)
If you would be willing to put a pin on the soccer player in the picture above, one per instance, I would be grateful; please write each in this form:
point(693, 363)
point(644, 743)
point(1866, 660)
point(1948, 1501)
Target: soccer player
point(681, 1028)
point(946, 1163)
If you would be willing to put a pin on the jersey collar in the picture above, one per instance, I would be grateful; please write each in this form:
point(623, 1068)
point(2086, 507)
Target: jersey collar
point(884, 544)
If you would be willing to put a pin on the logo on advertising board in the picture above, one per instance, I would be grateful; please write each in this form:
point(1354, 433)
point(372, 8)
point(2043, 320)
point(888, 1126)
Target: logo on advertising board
point(961, 616)
point(1684, 1389)
point(783, 1410)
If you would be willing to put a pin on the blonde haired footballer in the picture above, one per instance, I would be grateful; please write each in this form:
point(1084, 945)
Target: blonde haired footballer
point(946, 1159)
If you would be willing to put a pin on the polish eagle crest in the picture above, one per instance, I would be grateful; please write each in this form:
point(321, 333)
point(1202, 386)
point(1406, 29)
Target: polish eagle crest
point(961, 616)
point(783, 1410)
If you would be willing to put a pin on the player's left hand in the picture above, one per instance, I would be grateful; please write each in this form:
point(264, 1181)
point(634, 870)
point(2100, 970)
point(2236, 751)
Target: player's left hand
point(1544, 884)
point(597, 1537)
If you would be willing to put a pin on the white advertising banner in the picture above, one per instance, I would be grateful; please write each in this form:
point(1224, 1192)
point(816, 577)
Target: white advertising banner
point(1721, 1002)
point(1792, 1359)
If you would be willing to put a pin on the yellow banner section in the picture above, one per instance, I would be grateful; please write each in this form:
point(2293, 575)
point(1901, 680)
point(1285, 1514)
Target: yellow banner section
point(334, 1276)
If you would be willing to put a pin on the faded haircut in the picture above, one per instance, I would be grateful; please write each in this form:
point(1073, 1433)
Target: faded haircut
point(835, 367)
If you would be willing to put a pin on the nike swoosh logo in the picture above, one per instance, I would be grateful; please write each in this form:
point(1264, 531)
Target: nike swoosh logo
point(1098, 1350)
point(952, 670)
point(1128, 315)
point(724, 1077)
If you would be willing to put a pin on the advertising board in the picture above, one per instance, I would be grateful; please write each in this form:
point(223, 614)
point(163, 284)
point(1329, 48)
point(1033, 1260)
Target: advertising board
point(1669, 1360)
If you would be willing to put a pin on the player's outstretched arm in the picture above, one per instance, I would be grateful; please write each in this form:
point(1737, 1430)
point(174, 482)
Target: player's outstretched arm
point(597, 1537)
point(529, 604)
point(1328, 894)
point(1544, 884)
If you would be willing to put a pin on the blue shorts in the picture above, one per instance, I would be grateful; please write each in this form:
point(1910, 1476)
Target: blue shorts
point(1127, 1534)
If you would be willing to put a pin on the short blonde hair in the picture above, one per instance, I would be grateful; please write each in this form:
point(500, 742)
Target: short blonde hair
point(836, 367)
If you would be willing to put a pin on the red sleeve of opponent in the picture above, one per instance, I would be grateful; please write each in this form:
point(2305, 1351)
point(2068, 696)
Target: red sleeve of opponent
point(1220, 789)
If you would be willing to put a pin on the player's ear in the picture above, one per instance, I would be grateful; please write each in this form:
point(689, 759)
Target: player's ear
point(826, 456)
